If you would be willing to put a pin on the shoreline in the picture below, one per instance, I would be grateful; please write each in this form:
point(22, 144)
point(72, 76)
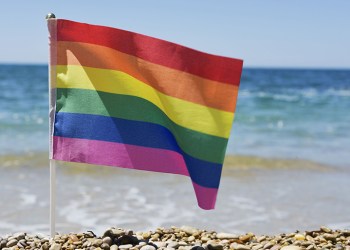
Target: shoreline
point(183, 238)
point(231, 162)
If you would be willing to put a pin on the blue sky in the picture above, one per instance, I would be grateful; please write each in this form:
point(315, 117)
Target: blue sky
point(298, 33)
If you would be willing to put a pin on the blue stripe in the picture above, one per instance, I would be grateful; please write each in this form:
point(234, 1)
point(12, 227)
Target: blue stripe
point(104, 128)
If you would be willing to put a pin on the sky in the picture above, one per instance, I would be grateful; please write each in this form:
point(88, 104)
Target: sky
point(264, 33)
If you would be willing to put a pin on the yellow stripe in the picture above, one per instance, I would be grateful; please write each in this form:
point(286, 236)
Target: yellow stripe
point(187, 114)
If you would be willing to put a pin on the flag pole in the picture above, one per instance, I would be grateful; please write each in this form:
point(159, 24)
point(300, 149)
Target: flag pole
point(52, 197)
point(52, 161)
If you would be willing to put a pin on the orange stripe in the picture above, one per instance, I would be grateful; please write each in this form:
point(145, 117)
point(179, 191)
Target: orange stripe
point(169, 81)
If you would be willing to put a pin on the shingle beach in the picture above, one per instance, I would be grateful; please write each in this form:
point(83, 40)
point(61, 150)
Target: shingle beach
point(183, 238)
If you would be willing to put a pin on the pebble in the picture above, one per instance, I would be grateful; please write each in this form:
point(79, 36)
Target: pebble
point(240, 247)
point(173, 244)
point(113, 233)
point(148, 247)
point(127, 246)
point(226, 236)
point(107, 240)
point(159, 244)
point(299, 237)
point(73, 237)
point(105, 246)
point(325, 229)
point(215, 247)
point(258, 246)
point(183, 238)
point(328, 236)
point(19, 236)
point(11, 243)
point(245, 238)
point(291, 248)
point(189, 230)
point(191, 238)
point(114, 247)
point(97, 242)
point(55, 246)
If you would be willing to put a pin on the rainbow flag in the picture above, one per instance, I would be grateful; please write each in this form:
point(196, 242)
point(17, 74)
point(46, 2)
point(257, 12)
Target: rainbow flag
point(128, 100)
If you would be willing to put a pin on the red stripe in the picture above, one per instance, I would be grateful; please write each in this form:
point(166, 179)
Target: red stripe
point(217, 68)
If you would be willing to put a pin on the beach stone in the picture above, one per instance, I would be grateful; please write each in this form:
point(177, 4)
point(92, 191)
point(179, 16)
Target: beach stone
point(113, 233)
point(256, 247)
point(73, 237)
point(142, 243)
point(22, 243)
point(226, 236)
point(215, 247)
point(197, 248)
point(105, 246)
point(291, 248)
point(182, 243)
point(126, 246)
point(45, 246)
point(262, 238)
point(184, 247)
point(189, 230)
point(77, 243)
point(325, 229)
point(19, 236)
point(276, 247)
point(299, 237)
point(148, 247)
point(331, 237)
point(268, 245)
point(205, 239)
point(146, 235)
point(107, 240)
point(11, 243)
point(237, 246)
point(311, 247)
point(97, 242)
point(114, 247)
point(245, 238)
point(191, 238)
point(129, 232)
point(3, 243)
point(173, 244)
point(155, 237)
point(127, 239)
point(55, 246)
point(159, 244)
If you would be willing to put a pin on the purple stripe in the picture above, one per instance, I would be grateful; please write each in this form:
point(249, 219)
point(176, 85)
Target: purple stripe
point(118, 155)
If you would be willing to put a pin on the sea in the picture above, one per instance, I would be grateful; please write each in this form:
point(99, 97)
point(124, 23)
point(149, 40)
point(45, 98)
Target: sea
point(287, 165)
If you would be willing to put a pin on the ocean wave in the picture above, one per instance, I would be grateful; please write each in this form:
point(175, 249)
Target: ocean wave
point(339, 92)
point(294, 95)
point(246, 162)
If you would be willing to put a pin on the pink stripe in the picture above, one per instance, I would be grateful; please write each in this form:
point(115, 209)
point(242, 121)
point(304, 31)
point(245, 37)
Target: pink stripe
point(118, 155)
point(206, 197)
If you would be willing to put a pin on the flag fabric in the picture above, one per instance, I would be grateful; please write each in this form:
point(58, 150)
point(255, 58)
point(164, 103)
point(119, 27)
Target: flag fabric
point(128, 100)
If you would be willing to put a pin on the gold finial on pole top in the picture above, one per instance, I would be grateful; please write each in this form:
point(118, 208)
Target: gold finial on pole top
point(50, 15)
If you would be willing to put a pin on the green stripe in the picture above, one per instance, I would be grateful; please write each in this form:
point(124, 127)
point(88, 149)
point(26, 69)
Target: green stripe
point(202, 146)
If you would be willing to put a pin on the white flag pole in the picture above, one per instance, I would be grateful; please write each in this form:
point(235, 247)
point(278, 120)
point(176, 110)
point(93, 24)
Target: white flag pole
point(52, 107)
point(52, 197)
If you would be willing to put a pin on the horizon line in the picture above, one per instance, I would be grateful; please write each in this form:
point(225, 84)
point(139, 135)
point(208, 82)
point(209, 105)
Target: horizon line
point(244, 67)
